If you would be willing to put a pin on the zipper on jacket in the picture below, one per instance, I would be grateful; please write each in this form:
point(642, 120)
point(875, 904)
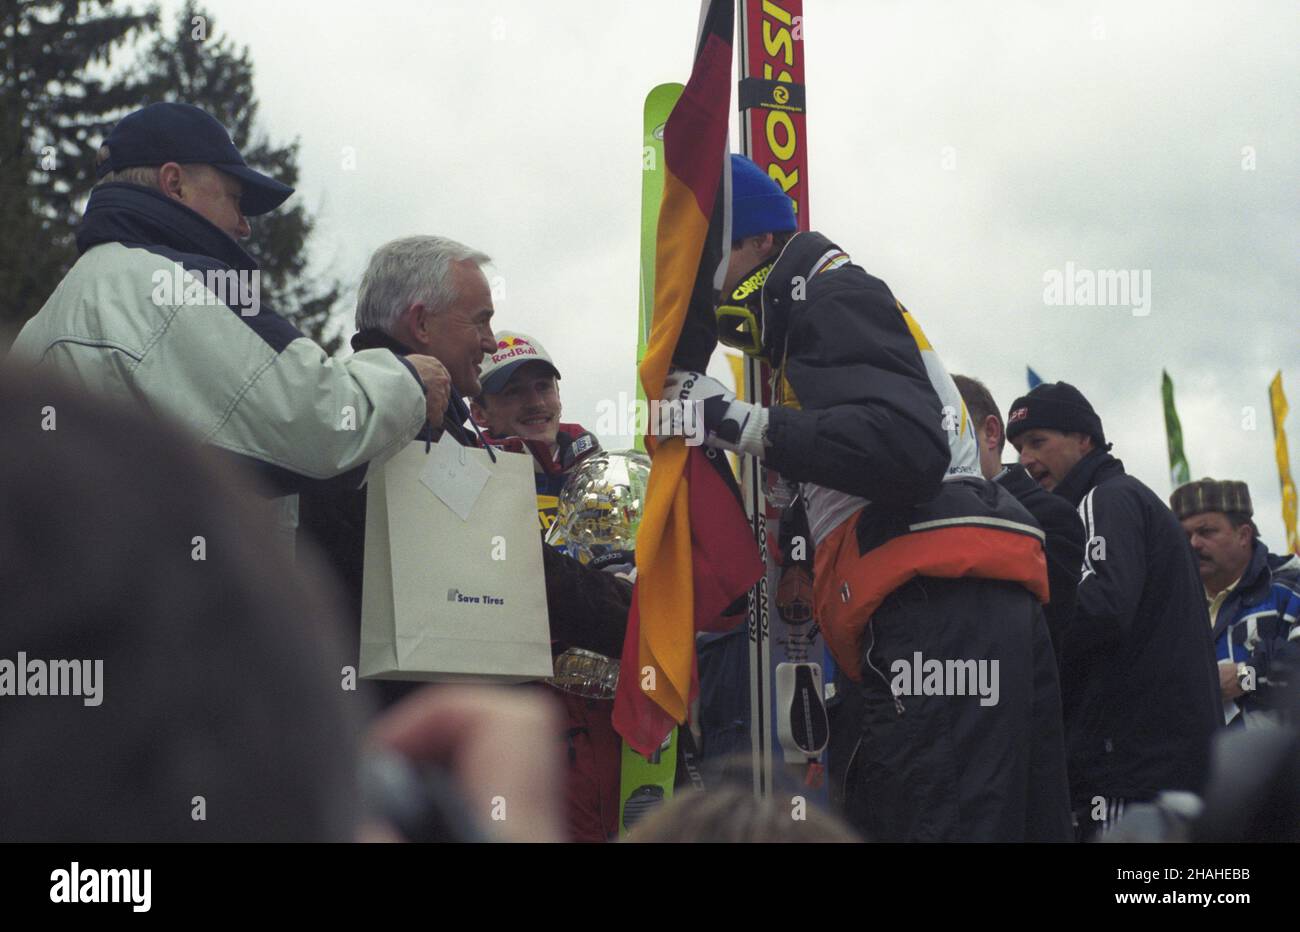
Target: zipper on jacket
point(844, 784)
point(898, 703)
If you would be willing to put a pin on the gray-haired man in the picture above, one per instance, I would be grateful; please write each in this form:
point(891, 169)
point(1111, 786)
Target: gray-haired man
point(428, 294)
point(419, 294)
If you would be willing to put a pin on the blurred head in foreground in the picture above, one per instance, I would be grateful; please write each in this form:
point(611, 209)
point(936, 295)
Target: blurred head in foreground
point(731, 814)
point(200, 674)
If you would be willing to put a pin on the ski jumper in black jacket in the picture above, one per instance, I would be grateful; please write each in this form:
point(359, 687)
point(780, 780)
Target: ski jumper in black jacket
point(918, 558)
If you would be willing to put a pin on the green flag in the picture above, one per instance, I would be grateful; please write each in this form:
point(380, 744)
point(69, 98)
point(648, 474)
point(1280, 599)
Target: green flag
point(659, 104)
point(1178, 470)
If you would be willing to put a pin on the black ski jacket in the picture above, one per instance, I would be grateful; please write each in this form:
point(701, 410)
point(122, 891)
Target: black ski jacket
point(871, 424)
point(1139, 687)
point(869, 421)
point(1064, 545)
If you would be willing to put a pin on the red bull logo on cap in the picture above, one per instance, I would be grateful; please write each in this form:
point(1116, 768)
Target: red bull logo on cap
point(511, 347)
point(512, 351)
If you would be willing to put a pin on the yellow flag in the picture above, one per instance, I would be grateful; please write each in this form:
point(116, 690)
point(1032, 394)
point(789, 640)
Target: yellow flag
point(1278, 402)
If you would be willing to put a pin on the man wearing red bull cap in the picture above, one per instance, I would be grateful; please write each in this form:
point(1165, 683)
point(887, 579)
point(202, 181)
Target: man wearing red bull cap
point(519, 409)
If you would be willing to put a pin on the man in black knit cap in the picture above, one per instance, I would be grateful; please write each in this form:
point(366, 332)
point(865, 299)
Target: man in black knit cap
point(1138, 681)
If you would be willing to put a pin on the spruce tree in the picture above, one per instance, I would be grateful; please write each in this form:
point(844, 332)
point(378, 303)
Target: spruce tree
point(194, 65)
point(69, 77)
point(57, 100)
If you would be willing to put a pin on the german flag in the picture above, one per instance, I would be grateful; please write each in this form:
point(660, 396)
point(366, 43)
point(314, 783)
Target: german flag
point(695, 551)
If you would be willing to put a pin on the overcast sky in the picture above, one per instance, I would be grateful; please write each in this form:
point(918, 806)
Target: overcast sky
point(1158, 137)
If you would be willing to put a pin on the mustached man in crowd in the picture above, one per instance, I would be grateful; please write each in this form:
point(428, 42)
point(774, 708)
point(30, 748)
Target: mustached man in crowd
point(1253, 596)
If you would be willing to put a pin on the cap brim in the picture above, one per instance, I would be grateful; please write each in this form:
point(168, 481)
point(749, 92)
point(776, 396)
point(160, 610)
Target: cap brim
point(262, 194)
point(498, 379)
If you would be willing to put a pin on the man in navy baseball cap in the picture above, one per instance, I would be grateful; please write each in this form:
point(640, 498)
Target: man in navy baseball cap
point(172, 133)
point(163, 309)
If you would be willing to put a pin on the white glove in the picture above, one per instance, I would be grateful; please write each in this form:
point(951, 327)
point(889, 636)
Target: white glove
point(684, 385)
point(705, 411)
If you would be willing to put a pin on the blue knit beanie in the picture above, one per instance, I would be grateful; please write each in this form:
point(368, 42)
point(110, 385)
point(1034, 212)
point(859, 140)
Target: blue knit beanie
point(758, 205)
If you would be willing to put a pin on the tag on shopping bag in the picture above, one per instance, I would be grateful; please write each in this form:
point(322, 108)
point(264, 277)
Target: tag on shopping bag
point(454, 476)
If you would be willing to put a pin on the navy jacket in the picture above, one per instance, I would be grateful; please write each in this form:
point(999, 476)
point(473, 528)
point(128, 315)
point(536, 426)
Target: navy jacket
point(1139, 687)
point(1064, 545)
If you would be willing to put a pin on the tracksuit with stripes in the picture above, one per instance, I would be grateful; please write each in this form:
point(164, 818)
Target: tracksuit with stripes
point(1138, 679)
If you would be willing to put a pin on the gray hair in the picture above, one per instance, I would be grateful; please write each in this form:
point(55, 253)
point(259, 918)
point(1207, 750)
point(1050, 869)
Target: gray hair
point(145, 175)
point(150, 176)
point(411, 270)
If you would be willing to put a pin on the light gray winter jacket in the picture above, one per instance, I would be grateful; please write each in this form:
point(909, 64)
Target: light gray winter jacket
point(163, 310)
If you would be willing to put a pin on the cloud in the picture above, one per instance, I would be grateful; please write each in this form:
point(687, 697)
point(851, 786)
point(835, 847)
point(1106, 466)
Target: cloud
point(1107, 134)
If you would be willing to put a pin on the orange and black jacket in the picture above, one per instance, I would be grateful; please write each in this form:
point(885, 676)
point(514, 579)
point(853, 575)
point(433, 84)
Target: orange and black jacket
point(862, 416)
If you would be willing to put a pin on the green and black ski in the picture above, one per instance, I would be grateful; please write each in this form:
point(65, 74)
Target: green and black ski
point(645, 783)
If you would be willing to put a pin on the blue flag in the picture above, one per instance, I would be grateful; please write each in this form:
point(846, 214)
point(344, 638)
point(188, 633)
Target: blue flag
point(1034, 378)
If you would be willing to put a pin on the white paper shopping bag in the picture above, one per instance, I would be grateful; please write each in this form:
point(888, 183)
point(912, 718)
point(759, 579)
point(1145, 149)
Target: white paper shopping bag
point(451, 598)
